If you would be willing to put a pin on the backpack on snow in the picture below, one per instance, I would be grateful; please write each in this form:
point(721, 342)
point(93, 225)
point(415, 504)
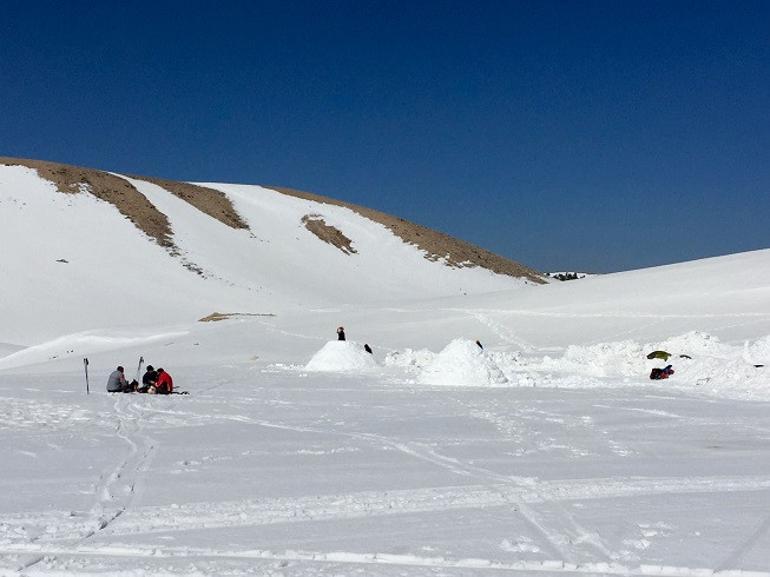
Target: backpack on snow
point(658, 374)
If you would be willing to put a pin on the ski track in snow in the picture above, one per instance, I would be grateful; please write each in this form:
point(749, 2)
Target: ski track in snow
point(503, 332)
point(162, 553)
point(118, 490)
point(569, 547)
point(746, 546)
point(114, 492)
point(572, 548)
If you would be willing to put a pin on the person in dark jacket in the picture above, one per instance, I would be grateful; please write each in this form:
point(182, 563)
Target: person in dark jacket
point(148, 379)
point(340, 333)
point(116, 382)
point(165, 384)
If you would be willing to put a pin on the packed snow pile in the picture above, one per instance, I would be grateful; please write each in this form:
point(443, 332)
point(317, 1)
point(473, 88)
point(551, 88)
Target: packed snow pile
point(341, 356)
point(758, 352)
point(464, 363)
point(410, 359)
point(701, 362)
point(720, 376)
point(697, 344)
point(624, 358)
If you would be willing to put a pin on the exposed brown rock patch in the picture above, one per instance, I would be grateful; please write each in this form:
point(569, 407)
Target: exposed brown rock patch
point(117, 191)
point(214, 317)
point(317, 225)
point(437, 245)
point(207, 200)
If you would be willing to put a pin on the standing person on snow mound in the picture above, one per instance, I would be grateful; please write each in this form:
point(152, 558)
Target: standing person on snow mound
point(148, 379)
point(165, 384)
point(340, 333)
point(116, 382)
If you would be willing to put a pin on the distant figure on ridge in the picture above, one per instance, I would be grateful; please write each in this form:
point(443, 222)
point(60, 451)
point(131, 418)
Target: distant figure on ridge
point(480, 345)
point(116, 382)
point(340, 333)
point(368, 349)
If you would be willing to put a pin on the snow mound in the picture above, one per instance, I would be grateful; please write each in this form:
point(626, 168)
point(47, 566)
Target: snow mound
point(696, 343)
point(724, 376)
point(409, 358)
point(758, 352)
point(462, 362)
point(623, 358)
point(337, 356)
point(701, 363)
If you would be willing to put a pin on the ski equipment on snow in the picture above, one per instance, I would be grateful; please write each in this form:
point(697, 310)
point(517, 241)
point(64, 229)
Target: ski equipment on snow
point(85, 367)
point(139, 368)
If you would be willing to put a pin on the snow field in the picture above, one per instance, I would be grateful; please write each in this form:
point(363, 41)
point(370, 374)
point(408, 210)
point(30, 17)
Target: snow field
point(549, 452)
point(338, 473)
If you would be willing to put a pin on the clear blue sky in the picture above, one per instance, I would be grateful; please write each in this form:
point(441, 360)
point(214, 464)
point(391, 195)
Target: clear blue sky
point(595, 136)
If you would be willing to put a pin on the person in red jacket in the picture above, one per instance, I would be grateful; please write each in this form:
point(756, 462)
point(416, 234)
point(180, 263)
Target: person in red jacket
point(165, 384)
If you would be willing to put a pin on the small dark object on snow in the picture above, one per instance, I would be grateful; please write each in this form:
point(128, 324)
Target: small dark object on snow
point(664, 373)
point(663, 355)
point(685, 357)
point(758, 366)
point(64, 260)
point(480, 345)
point(340, 333)
point(368, 349)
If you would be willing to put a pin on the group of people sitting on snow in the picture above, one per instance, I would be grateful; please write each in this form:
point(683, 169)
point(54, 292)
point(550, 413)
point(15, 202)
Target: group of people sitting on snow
point(154, 382)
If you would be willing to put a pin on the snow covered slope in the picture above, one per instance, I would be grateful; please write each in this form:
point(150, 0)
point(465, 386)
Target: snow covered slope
point(543, 448)
point(117, 251)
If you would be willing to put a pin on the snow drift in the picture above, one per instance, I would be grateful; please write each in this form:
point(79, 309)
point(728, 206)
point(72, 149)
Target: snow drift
point(341, 356)
point(462, 363)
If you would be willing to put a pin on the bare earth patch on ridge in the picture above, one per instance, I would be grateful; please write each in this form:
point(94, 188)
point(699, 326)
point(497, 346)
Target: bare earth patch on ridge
point(317, 225)
point(437, 245)
point(209, 201)
point(215, 316)
point(117, 191)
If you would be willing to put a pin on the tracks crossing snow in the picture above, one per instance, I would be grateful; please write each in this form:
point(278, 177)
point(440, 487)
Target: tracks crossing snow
point(114, 491)
point(411, 562)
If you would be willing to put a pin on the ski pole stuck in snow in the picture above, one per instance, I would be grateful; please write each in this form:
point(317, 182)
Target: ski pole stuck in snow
point(85, 367)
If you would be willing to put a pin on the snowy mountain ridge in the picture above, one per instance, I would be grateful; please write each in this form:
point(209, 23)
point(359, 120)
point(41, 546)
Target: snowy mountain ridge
point(82, 235)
